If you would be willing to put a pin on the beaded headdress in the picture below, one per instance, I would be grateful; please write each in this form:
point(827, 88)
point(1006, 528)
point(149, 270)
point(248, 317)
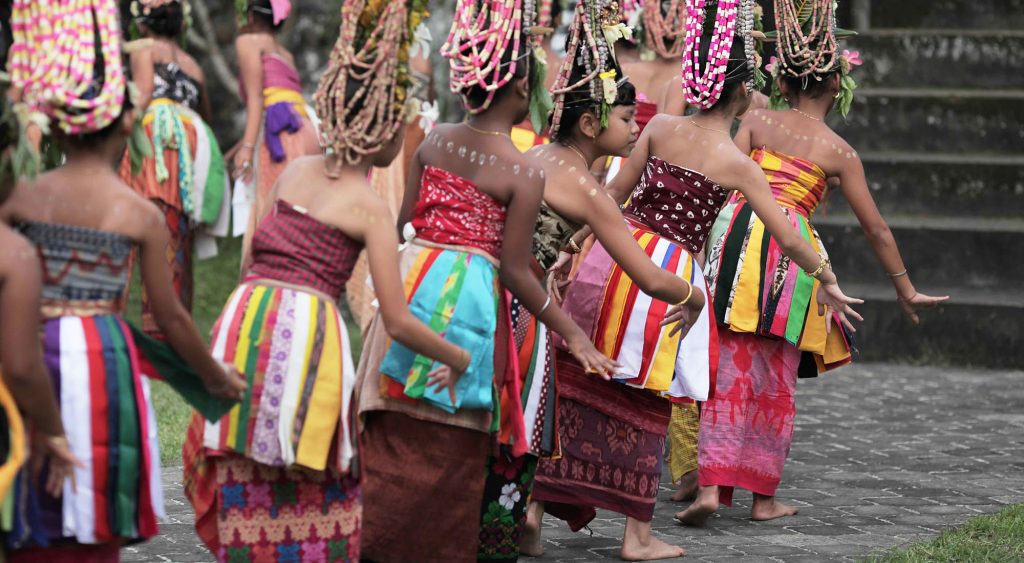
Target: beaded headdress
point(704, 81)
point(664, 25)
point(488, 41)
point(808, 48)
point(361, 100)
point(66, 57)
point(595, 27)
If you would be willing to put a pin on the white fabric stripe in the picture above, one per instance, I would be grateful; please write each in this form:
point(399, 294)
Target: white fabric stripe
point(348, 382)
point(211, 430)
point(156, 488)
point(693, 363)
point(533, 399)
point(296, 365)
point(79, 503)
point(632, 351)
point(200, 163)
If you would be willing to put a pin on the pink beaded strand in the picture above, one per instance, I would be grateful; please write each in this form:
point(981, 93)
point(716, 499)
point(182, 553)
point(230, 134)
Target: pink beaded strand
point(704, 88)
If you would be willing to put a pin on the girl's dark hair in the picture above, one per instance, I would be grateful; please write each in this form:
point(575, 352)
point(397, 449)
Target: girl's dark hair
point(262, 12)
point(810, 86)
point(100, 136)
point(476, 96)
point(737, 71)
point(580, 101)
point(167, 21)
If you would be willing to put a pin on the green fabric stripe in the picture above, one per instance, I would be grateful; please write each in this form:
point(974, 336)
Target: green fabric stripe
point(216, 180)
point(537, 351)
point(129, 436)
point(250, 370)
point(766, 239)
point(798, 308)
point(179, 375)
point(729, 260)
point(416, 384)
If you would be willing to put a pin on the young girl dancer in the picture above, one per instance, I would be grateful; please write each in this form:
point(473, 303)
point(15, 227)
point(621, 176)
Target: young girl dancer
point(472, 200)
point(85, 223)
point(588, 124)
point(282, 328)
point(186, 177)
point(770, 335)
point(277, 126)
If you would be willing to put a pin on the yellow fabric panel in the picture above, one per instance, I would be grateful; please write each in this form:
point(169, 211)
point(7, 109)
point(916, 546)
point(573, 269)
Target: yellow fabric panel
point(16, 453)
point(324, 410)
point(663, 366)
point(813, 338)
point(276, 95)
point(682, 436)
point(745, 307)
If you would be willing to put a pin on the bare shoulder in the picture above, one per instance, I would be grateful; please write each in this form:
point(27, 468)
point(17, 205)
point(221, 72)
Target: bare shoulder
point(736, 170)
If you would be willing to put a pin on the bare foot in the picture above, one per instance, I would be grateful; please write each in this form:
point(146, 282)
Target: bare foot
point(687, 488)
point(529, 541)
point(767, 508)
point(697, 513)
point(653, 549)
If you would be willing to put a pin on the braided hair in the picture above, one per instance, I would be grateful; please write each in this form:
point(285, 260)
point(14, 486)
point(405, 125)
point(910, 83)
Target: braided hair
point(362, 96)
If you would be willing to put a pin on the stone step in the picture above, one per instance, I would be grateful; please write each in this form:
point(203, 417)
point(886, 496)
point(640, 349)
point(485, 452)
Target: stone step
point(974, 328)
point(951, 251)
point(940, 58)
point(977, 14)
point(942, 120)
point(944, 184)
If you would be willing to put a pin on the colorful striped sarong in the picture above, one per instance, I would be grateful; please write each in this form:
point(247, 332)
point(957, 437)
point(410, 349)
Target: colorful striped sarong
point(624, 321)
point(293, 348)
point(759, 290)
point(111, 429)
point(456, 294)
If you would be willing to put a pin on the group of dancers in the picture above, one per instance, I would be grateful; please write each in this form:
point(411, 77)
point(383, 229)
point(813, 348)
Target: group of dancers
point(545, 318)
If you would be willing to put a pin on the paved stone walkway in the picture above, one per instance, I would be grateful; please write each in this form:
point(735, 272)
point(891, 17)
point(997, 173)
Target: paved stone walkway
point(883, 456)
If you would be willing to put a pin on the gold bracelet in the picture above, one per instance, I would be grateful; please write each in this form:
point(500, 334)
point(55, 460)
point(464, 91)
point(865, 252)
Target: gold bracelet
point(825, 263)
point(899, 275)
point(573, 247)
point(689, 294)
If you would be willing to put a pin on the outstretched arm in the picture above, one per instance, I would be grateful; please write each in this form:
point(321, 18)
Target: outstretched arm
point(520, 221)
point(855, 188)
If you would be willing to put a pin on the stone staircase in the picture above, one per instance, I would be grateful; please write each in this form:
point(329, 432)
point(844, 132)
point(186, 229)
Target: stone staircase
point(939, 124)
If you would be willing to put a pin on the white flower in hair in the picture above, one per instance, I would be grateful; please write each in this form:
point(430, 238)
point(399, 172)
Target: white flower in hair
point(429, 114)
point(421, 41)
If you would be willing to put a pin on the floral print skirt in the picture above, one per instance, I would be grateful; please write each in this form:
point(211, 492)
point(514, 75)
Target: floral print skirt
point(509, 481)
point(613, 447)
point(270, 514)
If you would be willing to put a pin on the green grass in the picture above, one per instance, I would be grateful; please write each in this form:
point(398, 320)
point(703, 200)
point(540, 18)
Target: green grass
point(215, 279)
point(996, 537)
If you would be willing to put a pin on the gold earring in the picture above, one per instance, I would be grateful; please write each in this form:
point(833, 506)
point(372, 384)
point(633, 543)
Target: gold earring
point(839, 93)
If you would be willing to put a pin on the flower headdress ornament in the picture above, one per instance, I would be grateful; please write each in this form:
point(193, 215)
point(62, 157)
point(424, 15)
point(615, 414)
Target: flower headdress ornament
point(362, 99)
point(704, 81)
point(808, 49)
point(595, 28)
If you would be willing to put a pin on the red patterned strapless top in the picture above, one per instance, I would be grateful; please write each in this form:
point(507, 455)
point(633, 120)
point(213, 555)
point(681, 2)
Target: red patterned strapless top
point(291, 247)
point(452, 210)
point(676, 202)
point(645, 111)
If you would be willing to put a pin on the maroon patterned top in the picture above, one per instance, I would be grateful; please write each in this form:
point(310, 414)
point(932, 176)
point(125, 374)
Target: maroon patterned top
point(292, 247)
point(451, 210)
point(678, 203)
